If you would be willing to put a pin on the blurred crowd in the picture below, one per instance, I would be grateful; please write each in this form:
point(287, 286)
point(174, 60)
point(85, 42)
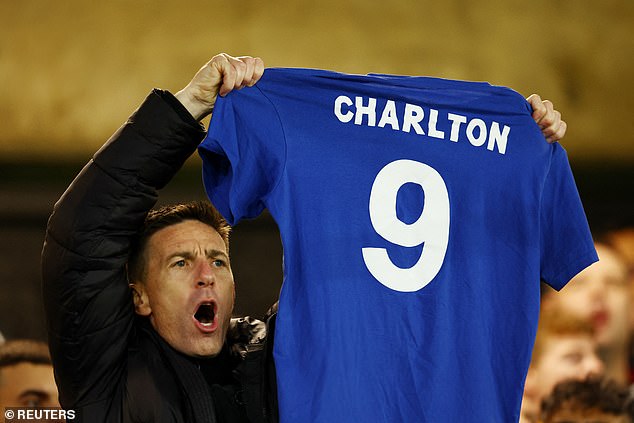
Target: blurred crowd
point(582, 367)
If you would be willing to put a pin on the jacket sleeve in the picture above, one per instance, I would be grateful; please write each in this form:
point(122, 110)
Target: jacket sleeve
point(86, 296)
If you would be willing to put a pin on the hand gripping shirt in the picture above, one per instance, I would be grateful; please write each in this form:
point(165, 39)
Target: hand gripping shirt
point(417, 218)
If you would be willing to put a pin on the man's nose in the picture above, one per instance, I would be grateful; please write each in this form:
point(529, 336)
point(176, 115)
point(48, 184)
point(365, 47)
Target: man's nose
point(205, 275)
point(598, 288)
point(594, 366)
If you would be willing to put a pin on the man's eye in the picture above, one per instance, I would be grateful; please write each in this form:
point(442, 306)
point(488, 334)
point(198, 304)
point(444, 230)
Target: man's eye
point(180, 263)
point(218, 263)
point(573, 358)
point(617, 282)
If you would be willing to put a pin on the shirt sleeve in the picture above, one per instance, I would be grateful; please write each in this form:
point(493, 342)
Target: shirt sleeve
point(566, 242)
point(243, 154)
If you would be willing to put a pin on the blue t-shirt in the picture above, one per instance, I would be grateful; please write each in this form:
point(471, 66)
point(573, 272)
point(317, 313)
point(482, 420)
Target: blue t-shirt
point(417, 217)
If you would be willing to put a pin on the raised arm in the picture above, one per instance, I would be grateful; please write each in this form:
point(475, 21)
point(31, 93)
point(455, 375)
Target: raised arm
point(86, 295)
point(219, 76)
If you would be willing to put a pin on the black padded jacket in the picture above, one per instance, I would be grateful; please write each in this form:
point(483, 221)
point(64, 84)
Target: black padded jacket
point(110, 365)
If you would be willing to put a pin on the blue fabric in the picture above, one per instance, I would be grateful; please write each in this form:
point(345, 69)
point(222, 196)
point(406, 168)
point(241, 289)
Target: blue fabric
point(421, 304)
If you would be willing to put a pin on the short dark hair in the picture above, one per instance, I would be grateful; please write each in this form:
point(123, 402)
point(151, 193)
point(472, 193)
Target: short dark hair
point(24, 350)
point(169, 215)
point(591, 394)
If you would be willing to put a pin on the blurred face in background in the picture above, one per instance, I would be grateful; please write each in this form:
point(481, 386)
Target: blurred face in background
point(28, 384)
point(599, 294)
point(565, 349)
point(564, 357)
point(623, 242)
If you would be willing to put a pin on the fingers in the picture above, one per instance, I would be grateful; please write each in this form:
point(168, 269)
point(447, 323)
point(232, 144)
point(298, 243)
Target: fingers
point(549, 120)
point(253, 72)
point(558, 132)
point(539, 108)
point(238, 72)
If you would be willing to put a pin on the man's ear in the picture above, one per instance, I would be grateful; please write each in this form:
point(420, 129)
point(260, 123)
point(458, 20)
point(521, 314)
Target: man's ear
point(140, 298)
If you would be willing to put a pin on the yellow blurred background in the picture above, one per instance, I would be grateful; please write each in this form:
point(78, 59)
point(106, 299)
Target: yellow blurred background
point(71, 72)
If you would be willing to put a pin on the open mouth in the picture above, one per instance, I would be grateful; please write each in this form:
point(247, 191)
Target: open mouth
point(205, 315)
point(600, 318)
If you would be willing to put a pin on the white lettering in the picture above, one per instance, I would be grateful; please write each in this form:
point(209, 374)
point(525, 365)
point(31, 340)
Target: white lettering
point(339, 102)
point(389, 116)
point(482, 133)
point(497, 137)
point(369, 111)
point(433, 120)
point(456, 120)
point(40, 414)
point(478, 132)
point(413, 116)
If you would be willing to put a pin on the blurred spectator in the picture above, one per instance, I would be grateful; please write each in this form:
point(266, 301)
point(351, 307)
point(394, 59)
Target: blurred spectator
point(565, 348)
point(600, 294)
point(589, 401)
point(622, 240)
point(26, 375)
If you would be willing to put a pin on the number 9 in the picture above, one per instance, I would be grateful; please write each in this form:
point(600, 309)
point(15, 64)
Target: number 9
point(431, 228)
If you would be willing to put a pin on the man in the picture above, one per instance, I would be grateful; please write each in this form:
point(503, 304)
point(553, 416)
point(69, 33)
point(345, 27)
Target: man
point(592, 400)
point(180, 359)
point(26, 375)
point(168, 364)
point(564, 349)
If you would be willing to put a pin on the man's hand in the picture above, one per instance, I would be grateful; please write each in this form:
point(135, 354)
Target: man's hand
point(219, 76)
point(548, 119)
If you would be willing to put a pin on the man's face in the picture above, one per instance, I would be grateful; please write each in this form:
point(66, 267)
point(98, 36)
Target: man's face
point(566, 357)
point(600, 295)
point(623, 241)
point(188, 288)
point(28, 385)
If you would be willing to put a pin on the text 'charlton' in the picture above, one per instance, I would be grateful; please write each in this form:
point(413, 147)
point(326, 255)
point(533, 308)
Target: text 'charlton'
point(364, 111)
